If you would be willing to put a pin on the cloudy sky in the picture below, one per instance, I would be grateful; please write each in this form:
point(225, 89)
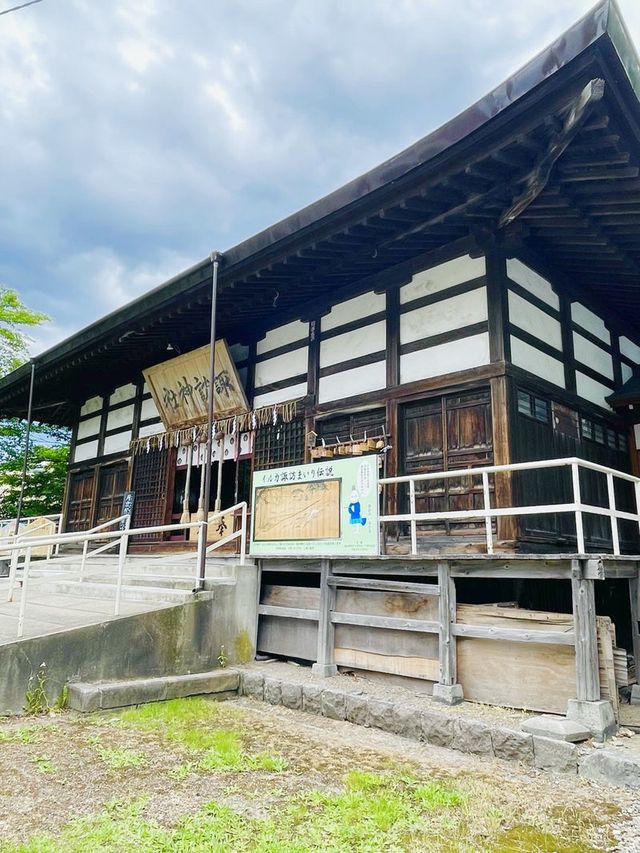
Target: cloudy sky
point(138, 135)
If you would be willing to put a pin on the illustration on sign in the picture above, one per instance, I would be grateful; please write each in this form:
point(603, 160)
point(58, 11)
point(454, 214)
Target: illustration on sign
point(327, 508)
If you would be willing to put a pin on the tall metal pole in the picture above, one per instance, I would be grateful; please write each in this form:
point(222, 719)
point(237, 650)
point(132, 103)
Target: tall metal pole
point(25, 460)
point(215, 261)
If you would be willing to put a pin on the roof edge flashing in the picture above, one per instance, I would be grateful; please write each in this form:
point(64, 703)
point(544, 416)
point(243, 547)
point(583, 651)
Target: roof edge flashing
point(624, 47)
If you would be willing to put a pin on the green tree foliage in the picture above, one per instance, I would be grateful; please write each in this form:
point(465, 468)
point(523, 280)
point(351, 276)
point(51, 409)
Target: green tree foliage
point(46, 467)
point(14, 317)
point(49, 445)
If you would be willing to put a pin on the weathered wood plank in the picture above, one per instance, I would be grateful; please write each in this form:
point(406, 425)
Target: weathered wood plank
point(288, 612)
point(384, 585)
point(514, 635)
point(339, 618)
point(634, 602)
point(412, 667)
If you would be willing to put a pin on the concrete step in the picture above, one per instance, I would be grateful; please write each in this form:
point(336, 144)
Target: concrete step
point(100, 695)
point(128, 593)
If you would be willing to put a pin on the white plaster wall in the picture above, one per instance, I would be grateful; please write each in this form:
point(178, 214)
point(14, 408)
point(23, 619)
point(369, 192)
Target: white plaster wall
point(532, 281)
point(148, 410)
point(150, 429)
point(85, 451)
point(542, 365)
point(124, 392)
point(293, 392)
point(348, 383)
point(441, 277)
point(444, 316)
point(592, 356)
point(282, 366)
point(531, 319)
point(592, 390)
point(630, 349)
point(445, 358)
point(92, 405)
point(353, 309)
point(590, 321)
point(89, 427)
point(353, 344)
point(117, 443)
point(120, 417)
point(295, 331)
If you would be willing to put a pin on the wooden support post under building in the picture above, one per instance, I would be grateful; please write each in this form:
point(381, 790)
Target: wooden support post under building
point(587, 708)
point(586, 634)
point(325, 665)
point(447, 690)
point(634, 601)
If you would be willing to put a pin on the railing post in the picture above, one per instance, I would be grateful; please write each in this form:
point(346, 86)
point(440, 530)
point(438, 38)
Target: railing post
point(325, 665)
point(13, 569)
point(243, 535)
point(122, 556)
point(56, 549)
point(412, 509)
point(202, 544)
point(577, 500)
point(615, 537)
point(23, 592)
point(85, 548)
point(636, 487)
point(487, 505)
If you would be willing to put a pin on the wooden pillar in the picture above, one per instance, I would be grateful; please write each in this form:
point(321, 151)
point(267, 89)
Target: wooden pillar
point(325, 658)
point(634, 601)
point(447, 618)
point(586, 635)
point(507, 528)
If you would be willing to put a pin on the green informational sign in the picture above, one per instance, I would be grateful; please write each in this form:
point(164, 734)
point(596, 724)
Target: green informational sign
point(328, 508)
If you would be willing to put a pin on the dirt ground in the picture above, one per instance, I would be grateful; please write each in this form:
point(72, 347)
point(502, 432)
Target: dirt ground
point(55, 769)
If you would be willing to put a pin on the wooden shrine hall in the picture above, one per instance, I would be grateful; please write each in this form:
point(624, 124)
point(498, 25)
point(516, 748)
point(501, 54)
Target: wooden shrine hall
point(472, 303)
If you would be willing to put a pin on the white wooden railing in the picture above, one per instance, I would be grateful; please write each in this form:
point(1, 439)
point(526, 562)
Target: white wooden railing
point(576, 506)
point(118, 538)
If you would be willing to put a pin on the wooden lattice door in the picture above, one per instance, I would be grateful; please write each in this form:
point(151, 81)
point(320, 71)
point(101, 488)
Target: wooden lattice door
point(112, 484)
point(443, 434)
point(80, 503)
point(153, 475)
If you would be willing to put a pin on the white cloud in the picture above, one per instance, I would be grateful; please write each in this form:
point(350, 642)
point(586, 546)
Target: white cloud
point(140, 134)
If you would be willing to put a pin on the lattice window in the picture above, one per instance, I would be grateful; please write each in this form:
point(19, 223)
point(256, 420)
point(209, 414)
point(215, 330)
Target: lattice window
point(279, 445)
point(372, 421)
point(150, 479)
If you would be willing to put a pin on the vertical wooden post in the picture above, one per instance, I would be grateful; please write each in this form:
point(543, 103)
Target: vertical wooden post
point(634, 601)
point(447, 690)
point(447, 618)
point(325, 658)
point(586, 636)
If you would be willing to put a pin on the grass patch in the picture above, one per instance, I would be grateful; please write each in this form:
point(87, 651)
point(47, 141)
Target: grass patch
point(373, 812)
point(44, 764)
point(121, 758)
point(194, 724)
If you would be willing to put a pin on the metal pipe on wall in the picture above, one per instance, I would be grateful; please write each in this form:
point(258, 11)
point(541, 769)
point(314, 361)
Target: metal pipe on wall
point(215, 262)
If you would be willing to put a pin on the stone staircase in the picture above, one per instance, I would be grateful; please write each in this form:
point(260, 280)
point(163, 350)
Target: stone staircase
point(57, 599)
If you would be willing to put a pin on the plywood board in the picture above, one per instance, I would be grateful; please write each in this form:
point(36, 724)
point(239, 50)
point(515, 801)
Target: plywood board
point(293, 638)
point(309, 511)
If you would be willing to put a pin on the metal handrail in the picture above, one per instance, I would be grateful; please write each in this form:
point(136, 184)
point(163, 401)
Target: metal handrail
point(488, 513)
point(120, 538)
